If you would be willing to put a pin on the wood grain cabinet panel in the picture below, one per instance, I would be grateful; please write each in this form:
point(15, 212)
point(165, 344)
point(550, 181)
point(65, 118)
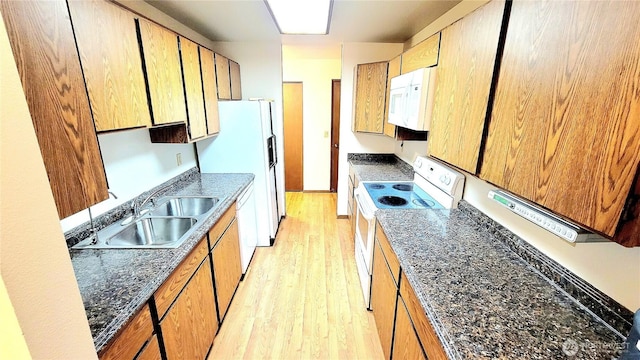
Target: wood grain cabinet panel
point(389, 254)
point(423, 55)
point(45, 52)
point(151, 351)
point(210, 89)
point(384, 293)
point(227, 269)
point(370, 100)
point(223, 223)
point(163, 73)
point(131, 339)
point(190, 326)
point(223, 77)
point(393, 71)
point(565, 129)
point(468, 51)
point(236, 86)
point(406, 344)
point(193, 88)
point(110, 55)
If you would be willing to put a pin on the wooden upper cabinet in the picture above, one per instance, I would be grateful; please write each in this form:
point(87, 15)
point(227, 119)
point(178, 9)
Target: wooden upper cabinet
point(425, 54)
point(193, 88)
point(110, 56)
point(393, 71)
point(223, 77)
point(465, 73)
point(236, 87)
point(371, 86)
point(163, 73)
point(565, 128)
point(210, 89)
point(45, 53)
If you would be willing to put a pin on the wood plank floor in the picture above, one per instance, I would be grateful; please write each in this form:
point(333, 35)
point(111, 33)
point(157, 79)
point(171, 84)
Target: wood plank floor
point(301, 298)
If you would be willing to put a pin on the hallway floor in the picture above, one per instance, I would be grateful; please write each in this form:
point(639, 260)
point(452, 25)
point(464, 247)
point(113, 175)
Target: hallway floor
point(301, 298)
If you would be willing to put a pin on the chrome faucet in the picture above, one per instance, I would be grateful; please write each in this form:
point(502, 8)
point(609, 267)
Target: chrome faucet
point(135, 208)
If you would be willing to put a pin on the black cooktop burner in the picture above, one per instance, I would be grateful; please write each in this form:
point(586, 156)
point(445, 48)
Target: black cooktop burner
point(403, 187)
point(377, 186)
point(425, 203)
point(392, 200)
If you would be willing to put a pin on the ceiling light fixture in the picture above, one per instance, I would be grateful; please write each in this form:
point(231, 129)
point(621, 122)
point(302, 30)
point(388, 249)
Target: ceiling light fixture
point(298, 17)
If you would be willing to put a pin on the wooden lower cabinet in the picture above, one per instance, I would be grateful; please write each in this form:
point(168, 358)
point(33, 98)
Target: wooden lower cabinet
point(131, 338)
point(151, 351)
point(406, 344)
point(190, 324)
point(384, 293)
point(227, 268)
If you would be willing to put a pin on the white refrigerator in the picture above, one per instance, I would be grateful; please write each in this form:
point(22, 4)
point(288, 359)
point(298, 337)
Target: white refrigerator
point(250, 142)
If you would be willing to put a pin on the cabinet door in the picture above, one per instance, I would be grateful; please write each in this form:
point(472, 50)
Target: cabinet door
point(371, 86)
point(151, 351)
point(210, 89)
point(384, 294)
point(44, 50)
point(234, 73)
point(110, 56)
point(565, 130)
point(406, 344)
point(164, 74)
point(227, 269)
point(393, 71)
point(131, 339)
point(223, 77)
point(193, 88)
point(465, 71)
point(423, 55)
point(190, 325)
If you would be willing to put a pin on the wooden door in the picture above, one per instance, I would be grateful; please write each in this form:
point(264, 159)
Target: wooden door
point(110, 55)
point(393, 71)
point(210, 89)
point(190, 325)
point(465, 72)
point(335, 133)
point(193, 88)
point(565, 130)
point(406, 344)
point(227, 268)
point(370, 102)
point(234, 78)
point(223, 77)
point(384, 294)
point(45, 53)
point(164, 73)
point(293, 143)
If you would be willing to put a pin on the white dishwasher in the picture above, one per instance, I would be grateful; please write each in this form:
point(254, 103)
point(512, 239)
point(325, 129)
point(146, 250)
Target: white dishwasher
point(247, 225)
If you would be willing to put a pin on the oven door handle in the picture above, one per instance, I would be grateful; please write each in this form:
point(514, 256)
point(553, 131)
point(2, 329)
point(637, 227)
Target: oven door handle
point(369, 215)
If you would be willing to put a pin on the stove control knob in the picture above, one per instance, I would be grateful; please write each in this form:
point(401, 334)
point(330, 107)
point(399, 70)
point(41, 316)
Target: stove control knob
point(442, 179)
point(445, 179)
point(418, 163)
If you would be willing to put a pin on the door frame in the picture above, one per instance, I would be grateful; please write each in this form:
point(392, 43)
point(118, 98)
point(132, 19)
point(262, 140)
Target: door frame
point(335, 135)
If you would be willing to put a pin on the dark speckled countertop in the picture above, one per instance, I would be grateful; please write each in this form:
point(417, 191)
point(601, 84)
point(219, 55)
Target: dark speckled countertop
point(380, 167)
point(114, 284)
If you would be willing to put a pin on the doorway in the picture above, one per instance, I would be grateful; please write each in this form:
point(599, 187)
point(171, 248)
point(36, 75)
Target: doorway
point(293, 146)
point(335, 133)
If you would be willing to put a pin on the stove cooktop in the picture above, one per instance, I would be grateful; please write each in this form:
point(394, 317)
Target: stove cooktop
point(400, 195)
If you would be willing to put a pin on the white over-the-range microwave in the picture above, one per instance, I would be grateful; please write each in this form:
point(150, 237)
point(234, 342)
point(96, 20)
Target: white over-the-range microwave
point(411, 99)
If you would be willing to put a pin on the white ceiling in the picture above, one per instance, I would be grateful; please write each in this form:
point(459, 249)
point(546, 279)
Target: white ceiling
point(351, 20)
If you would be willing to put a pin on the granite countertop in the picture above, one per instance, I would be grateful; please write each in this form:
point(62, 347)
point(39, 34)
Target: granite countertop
point(484, 300)
point(380, 167)
point(114, 284)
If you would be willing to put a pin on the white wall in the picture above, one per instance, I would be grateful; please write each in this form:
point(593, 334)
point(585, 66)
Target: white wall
point(612, 268)
point(134, 165)
point(34, 262)
point(315, 67)
point(353, 54)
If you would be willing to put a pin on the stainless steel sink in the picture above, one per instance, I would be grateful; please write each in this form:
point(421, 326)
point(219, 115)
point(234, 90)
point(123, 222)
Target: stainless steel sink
point(184, 206)
point(152, 231)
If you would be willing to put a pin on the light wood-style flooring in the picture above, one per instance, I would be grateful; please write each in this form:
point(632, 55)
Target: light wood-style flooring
point(301, 298)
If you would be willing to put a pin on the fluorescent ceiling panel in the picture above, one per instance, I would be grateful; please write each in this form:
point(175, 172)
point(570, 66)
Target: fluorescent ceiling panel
point(307, 17)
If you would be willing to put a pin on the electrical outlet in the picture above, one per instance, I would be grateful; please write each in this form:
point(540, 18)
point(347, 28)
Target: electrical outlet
point(179, 159)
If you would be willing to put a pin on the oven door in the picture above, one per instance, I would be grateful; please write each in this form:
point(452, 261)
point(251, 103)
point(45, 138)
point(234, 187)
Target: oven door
point(365, 225)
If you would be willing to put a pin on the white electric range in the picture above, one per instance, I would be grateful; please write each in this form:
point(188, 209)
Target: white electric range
point(435, 186)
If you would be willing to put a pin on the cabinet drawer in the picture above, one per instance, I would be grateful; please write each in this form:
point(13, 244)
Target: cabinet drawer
point(389, 254)
point(165, 295)
point(425, 331)
point(222, 224)
point(133, 336)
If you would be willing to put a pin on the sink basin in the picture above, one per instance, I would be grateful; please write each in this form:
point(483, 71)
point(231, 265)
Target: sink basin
point(184, 206)
point(151, 232)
